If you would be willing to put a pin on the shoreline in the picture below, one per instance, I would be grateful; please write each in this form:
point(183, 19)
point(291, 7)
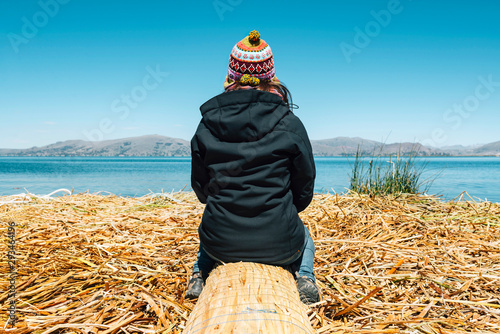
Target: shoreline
point(23, 198)
point(188, 156)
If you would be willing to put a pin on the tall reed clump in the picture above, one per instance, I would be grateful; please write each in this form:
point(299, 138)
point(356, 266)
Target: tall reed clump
point(388, 175)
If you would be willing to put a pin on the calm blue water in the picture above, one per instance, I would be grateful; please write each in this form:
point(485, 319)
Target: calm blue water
point(479, 176)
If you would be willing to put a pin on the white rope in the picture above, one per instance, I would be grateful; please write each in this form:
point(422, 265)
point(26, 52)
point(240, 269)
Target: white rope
point(25, 198)
point(55, 192)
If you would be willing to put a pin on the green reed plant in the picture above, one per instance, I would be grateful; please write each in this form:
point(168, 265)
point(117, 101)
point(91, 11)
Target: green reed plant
point(388, 175)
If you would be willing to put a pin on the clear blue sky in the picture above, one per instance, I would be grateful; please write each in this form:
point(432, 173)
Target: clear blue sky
point(394, 71)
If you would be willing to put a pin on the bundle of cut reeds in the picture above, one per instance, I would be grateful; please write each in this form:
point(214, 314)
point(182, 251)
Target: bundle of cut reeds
point(249, 298)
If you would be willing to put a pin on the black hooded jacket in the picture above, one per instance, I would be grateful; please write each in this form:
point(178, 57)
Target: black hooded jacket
point(252, 164)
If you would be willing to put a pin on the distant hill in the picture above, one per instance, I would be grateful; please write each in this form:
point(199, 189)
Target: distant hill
point(152, 145)
point(349, 146)
point(161, 146)
point(342, 146)
point(488, 149)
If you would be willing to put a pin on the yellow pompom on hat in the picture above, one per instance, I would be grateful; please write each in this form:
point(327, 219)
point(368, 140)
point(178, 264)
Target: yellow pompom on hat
point(252, 61)
point(247, 80)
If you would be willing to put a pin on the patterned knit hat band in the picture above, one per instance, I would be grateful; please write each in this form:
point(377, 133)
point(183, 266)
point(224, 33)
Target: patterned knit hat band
point(252, 71)
point(251, 56)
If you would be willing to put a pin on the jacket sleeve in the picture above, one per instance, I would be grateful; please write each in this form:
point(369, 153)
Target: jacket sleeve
point(303, 171)
point(199, 174)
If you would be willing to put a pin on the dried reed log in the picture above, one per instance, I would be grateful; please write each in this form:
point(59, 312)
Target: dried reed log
point(249, 298)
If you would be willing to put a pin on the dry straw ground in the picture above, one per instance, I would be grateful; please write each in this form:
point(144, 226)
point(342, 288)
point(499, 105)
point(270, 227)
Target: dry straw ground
point(106, 264)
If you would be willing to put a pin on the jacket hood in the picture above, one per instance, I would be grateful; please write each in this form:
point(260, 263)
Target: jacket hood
point(243, 115)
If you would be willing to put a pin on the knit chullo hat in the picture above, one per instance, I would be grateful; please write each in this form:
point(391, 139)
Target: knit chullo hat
point(251, 61)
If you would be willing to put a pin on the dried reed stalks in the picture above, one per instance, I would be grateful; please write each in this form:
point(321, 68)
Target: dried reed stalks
point(107, 264)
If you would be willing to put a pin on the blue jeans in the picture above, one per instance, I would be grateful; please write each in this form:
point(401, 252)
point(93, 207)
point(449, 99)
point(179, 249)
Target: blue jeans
point(301, 265)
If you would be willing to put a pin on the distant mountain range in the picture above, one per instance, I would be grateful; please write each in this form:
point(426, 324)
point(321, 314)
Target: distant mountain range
point(341, 146)
point(153, 145)
point(161, 146)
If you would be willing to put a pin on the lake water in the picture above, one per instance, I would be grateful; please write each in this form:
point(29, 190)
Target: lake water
point(479, 176)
